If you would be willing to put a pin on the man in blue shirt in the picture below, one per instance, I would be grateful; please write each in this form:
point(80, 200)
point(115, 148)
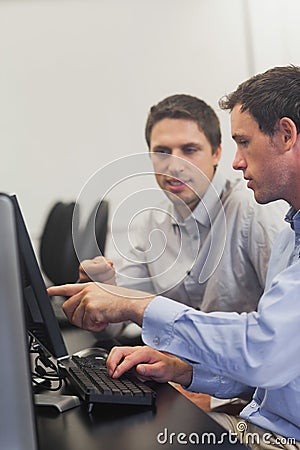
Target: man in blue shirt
point(228, 354)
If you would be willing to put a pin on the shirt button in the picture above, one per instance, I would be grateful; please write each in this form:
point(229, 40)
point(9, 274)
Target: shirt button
point(156, 340)
point(253, 405)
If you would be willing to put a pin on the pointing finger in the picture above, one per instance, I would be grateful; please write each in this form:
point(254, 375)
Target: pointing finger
point(66, 290)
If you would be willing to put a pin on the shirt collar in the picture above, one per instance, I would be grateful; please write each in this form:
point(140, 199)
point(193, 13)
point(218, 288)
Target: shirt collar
point(208, 207)
point(293, 218)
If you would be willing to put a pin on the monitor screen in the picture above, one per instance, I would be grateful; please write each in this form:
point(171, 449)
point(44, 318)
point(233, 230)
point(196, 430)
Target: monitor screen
point(41, 321)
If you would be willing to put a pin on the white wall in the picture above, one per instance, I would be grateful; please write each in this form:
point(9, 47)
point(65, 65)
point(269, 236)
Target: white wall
point(78, 76)
point(274, 33)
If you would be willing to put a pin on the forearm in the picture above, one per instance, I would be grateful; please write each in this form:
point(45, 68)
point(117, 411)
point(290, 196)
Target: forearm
point(134, 309)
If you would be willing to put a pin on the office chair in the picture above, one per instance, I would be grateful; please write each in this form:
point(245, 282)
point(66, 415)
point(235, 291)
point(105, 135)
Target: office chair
point(59, 259)
point(57, 255)
point(93, 237)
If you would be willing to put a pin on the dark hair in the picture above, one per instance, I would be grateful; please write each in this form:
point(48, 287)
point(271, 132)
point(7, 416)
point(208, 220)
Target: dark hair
point(268, 97)
point(182, 106)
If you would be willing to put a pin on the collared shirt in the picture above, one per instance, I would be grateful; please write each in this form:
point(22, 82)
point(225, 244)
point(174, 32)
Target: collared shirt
point(286, 246)
point(231, 352)
point(216, 259)
point(293, 217)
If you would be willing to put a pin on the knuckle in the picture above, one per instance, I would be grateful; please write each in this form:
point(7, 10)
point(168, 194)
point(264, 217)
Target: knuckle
point(115, 351)
point(90, 308)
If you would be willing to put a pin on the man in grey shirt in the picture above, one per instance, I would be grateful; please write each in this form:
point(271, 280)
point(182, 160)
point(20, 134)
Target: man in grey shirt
point(214, 243)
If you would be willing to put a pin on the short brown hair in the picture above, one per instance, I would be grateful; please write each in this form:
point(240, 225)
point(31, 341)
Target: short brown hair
point(268, 97)
point(183, 106)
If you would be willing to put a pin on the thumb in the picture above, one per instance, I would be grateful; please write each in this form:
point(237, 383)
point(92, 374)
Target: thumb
point(146, 370)
point(153, 372)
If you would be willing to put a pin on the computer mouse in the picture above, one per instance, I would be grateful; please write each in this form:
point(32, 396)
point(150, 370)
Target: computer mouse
point(97, 353)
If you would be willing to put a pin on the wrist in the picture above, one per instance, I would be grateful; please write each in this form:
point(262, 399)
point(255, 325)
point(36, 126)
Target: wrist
point(137, 307)
point(184, 374)
point(112, 281)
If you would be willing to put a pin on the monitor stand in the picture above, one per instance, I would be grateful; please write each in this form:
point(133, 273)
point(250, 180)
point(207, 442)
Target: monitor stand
point(60, 402)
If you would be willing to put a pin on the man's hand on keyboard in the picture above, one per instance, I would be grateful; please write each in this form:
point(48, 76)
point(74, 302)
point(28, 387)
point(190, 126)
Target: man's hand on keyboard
point(93, 306)
point(149, 364)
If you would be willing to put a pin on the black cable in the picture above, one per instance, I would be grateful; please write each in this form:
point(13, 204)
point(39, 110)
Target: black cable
point(43, 362)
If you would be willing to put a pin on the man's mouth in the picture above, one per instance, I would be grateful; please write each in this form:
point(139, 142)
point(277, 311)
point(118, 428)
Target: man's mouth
point(175, 182)
point(175, 185)
point(249, 182)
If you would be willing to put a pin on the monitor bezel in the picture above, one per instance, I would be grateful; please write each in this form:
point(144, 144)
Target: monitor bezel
point(30, 267)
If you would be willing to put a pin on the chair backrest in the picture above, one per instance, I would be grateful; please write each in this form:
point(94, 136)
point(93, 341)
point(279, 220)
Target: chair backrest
point(93, 236)
point(57, 255)
point(59, 259)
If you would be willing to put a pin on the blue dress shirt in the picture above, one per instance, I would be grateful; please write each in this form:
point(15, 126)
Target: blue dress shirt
point(231, 352)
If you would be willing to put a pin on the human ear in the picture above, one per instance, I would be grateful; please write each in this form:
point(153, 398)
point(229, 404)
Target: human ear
point(288, 132)
point(217, 155)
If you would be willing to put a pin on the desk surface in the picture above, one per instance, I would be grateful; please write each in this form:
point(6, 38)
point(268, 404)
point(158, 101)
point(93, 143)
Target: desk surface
point(129, 427)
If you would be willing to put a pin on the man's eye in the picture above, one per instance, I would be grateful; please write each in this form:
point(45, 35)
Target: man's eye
point(189, 150)
point(161, 153)
point(243, 143)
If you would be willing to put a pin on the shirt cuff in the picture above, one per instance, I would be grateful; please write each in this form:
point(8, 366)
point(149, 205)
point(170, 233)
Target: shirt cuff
point(159, 317)
point(207, 382)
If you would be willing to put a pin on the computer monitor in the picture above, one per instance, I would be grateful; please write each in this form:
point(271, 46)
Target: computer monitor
point(41, 321)
point(17, 424)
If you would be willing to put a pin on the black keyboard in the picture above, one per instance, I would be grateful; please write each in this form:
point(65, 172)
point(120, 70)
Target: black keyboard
point(96, 386)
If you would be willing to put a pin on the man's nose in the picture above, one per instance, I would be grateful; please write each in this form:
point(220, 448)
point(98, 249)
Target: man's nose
point(176, 164)
point(239, 162)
